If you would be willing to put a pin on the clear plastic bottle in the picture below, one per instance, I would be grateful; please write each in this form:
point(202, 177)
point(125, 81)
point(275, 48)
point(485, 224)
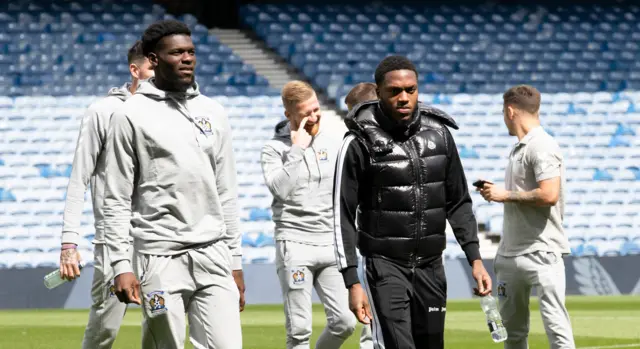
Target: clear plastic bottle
point(53, 279)
point(494, 320)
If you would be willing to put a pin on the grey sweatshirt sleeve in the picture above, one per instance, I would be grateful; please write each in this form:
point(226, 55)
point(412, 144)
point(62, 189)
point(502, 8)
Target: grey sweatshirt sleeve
point(121, 166)
point(227, 185)
point(88, 148)
point(281, 175)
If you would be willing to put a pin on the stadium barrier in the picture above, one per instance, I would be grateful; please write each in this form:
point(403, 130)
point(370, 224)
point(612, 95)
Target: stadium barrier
point(23, 288)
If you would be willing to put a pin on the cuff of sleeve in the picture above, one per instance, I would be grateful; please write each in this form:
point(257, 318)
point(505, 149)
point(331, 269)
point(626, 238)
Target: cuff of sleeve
point(70, 237)
point(236, 263)
point(350, 276)
point(548, 175)
point(472, 251)
point(121, 267)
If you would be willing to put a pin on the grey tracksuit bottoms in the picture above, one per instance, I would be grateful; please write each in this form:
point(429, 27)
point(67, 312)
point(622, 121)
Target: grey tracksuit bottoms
point(199, 283)
point(515, 278)
point(301, 268)
point(106, 313)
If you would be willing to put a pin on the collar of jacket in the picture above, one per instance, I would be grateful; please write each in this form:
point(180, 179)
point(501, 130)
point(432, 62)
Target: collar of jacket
point(369, 122)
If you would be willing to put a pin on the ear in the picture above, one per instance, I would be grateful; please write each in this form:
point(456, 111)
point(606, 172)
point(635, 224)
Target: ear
point(511, 113)
point(378, 92)
point(287, 115)
point(153, 59)
point(134, 70)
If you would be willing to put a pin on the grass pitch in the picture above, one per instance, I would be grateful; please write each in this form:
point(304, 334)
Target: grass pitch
point(598, 322)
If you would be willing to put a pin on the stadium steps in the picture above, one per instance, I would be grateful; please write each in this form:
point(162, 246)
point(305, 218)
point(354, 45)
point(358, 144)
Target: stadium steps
point(255, 53)
point(248, 46)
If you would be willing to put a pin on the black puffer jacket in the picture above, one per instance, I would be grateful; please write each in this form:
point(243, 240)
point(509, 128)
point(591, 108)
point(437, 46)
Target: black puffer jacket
point(409, 180)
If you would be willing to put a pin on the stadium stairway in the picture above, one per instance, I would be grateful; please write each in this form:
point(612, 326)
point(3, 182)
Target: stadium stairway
point(256, 53)
point(268, 63)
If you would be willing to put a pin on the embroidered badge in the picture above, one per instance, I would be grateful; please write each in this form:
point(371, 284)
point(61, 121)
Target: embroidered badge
point(502, 289)
point(298, 276)
point(322, 155)
point(156, 302)
point(111, 290)
point(204, 124)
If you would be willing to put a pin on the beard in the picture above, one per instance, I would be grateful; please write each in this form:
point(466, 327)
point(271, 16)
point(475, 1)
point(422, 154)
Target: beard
point(313, 129)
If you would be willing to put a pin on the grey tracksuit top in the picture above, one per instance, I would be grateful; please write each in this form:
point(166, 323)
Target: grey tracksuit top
point(301, 182)
point(88, 165)
point(171, 176)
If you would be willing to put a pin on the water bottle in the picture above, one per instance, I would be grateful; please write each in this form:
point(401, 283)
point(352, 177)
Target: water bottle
point(494, 321)
point(53, 279)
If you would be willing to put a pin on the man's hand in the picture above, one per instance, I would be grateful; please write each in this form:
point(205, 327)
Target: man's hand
point(301, 137)
point(359, 304)
point(491, 192)
point(69, 262)
point(483, 279)
point(127, 288)
point(238, 277)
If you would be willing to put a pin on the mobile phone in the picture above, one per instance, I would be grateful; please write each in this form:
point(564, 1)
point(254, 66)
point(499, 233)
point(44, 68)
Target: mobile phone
point(480, 183)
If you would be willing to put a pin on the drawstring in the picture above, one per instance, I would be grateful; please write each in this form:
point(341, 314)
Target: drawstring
point(318, 166)
point(315, 155)
point(184, 111)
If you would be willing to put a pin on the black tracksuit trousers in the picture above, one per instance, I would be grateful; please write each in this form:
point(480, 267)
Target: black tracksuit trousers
point(408, 305)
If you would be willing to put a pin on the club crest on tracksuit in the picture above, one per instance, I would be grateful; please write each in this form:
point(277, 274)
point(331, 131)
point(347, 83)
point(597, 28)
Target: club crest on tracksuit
point(156, 302)
point(111, 290)
point(322, 155)
point(502, 289)
point(298, 276)
point(204, 125)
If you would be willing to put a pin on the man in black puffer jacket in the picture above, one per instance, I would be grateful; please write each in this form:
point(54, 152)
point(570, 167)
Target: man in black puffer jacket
point(399, 168)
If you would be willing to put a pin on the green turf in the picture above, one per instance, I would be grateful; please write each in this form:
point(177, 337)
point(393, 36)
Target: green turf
point(597, 322)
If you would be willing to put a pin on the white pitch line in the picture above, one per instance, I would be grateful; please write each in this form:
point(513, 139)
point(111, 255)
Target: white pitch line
point(635, 345)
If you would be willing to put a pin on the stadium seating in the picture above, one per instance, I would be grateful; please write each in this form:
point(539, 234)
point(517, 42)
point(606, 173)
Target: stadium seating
point(458, 49)
point(79, 48)
point(56, 58)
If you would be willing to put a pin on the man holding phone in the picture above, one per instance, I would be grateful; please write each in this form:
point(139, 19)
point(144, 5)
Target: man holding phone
point(533, 241)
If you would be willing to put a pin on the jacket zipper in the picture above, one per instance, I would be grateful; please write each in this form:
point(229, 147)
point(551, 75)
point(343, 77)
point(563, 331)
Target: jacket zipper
point(378, 206)
point(415, 163)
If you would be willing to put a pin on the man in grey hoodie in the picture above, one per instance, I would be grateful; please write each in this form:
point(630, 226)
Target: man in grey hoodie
point(298, 166)
point(362, 92)
point(88, 168)
point(170, 162)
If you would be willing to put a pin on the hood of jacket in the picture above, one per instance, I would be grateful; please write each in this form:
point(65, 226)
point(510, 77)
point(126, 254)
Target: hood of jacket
point(369, 114)
point(283, 130)
point(122, 92)
point(421, 110)
point(149, 89)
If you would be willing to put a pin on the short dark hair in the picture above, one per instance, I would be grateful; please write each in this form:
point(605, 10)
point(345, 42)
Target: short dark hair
point(392, 63)
point(135, 54)
point(158, 30)
point(362, 92)
point(523, 97)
